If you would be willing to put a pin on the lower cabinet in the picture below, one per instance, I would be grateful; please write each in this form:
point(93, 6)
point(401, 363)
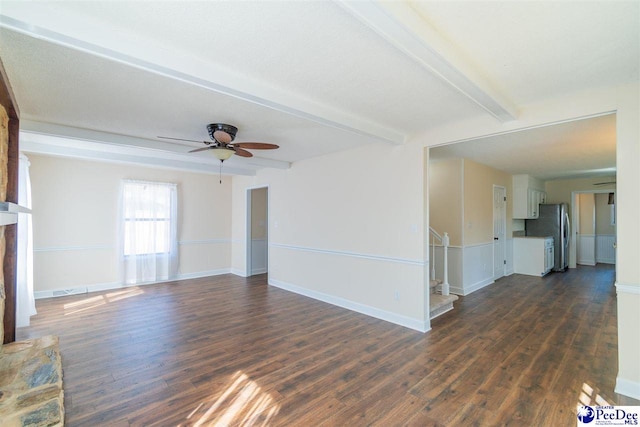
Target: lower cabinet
point(550, 256)
point(533, 256)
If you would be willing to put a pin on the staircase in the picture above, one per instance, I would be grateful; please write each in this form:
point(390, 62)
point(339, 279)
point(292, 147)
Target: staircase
point(440, 301)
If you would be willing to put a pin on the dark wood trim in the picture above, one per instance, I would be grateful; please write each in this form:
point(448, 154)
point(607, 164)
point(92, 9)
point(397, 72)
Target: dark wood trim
point(7, 99)
point(11, 238)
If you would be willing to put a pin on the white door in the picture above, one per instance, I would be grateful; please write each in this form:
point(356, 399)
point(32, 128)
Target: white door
point(499, 231)
point(586, 237)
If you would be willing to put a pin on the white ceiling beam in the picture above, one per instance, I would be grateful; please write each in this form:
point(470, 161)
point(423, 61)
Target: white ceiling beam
point(148, 56)
point(65, 141)
point(31, 146)
point(406, 30)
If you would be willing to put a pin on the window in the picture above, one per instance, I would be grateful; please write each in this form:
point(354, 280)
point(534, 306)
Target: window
point(149, 231)
point(147, 218)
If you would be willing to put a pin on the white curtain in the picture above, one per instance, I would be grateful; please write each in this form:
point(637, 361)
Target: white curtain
point(25, 301)
point(149, 232)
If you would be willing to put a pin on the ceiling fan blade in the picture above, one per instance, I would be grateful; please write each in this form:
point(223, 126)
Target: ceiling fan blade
point(201, 149)
point(242, 153)
point(256, 145)
point(182, 139)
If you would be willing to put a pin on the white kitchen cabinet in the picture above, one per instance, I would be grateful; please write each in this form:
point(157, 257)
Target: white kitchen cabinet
point(533, 256)
point(526, 201)
point(527, 197)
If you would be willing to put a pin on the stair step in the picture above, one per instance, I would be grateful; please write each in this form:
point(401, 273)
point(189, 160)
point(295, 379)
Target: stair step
point(440, 304)
point(434, 283)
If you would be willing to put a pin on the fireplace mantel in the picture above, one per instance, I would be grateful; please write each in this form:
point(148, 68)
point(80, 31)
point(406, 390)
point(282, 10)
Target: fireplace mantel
point(9, 212)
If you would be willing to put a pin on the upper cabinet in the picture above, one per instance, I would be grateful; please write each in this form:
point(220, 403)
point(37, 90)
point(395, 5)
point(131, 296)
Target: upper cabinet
point(528, 193)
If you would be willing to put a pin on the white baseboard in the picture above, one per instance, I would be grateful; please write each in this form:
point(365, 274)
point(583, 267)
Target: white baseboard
point(407, 322)
point(200, 274)
point(627, 288)
point(97, 287)
point(456, 290)
point(258, 271)
point(628, 388)
point(478, 285)
point(240, 273)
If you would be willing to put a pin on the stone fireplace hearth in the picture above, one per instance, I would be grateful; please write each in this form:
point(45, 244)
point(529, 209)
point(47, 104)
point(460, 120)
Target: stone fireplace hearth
point(31, 384)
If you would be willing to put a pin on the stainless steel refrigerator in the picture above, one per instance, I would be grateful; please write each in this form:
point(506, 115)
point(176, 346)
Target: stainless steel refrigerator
point(553, 220)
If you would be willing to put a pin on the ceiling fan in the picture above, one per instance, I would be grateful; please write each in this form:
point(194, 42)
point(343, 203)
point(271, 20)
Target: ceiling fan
point(222, 145)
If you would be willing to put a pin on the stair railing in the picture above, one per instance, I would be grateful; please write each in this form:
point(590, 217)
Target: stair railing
point(444, 241)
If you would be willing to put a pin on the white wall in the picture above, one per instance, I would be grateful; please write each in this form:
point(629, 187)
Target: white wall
point(75, 214)
point(346, 228)
point(461, 203)
point(628, 240)
point(446, 195)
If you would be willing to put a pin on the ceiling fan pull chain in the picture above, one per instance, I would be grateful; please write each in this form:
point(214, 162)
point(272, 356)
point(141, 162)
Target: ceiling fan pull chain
point(220, 171)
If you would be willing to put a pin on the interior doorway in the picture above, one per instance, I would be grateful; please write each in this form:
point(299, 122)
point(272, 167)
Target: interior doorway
point(257, 231)
point(499, 231)
point(593, 228)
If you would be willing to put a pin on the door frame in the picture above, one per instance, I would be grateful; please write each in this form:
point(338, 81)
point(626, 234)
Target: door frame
point(575, 223)
point(504, 226)
point(248, 240)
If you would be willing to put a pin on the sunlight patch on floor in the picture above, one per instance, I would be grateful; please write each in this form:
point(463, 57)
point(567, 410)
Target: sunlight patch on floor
point(126, 293)
point(241, 403)
point(590, 397)
point(97, 301)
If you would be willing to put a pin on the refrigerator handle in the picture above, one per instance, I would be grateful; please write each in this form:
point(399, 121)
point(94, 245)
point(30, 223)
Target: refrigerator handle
point(567, 227)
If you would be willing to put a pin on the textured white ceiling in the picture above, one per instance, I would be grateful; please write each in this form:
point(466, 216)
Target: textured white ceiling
point(534, 50)
point(579, 148)
point(313, 49)
point(98, 94)
point(313, 77)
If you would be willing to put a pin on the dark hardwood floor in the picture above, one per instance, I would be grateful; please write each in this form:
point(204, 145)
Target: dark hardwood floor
point(232, 351)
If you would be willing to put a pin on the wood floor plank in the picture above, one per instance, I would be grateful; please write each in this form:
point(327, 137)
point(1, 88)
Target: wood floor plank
point(236, 351)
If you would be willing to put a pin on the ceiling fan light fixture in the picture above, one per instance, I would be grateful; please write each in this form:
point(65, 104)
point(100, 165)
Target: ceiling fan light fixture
point(222, 154)
point(222, 132)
